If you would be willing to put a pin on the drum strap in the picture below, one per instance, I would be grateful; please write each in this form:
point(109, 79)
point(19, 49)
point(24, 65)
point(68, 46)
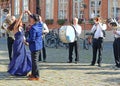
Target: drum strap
point(75, 32)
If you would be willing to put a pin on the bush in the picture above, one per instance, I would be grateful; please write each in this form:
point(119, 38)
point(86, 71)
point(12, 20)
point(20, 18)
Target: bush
point(91, 21)
point(49, 21)
point(61, 21)
point(80, 21)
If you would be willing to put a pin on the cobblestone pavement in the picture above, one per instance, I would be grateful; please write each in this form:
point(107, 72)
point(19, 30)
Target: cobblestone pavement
point(56, 72)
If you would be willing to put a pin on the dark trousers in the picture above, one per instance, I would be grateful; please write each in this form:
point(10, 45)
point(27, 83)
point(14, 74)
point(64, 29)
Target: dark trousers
point(26, 34)
point(43, 52)
point(97, 47)
point(74, 45)
point(116, 51)
point(35, 68)
point(10, 42)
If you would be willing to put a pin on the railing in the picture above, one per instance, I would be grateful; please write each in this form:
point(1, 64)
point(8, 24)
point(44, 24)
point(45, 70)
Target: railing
point(52, 40)
point(86, 42)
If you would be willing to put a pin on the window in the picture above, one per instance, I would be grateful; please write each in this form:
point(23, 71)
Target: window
point(78, 9)
point(63, 9)
point(114, 9)
point(25, 7)
point(38, 10)
point(95, 7)
point(17, 8)
point(49, 9)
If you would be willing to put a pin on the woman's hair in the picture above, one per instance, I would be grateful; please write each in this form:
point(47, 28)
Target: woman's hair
point(35, 17)
point(11, 27)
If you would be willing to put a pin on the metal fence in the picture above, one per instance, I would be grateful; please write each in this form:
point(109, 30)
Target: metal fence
point(52, 40)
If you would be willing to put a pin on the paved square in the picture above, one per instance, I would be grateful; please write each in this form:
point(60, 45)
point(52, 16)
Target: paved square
point(56, 72)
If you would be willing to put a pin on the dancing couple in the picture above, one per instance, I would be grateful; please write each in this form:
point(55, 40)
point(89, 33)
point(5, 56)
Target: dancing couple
point(22, 61)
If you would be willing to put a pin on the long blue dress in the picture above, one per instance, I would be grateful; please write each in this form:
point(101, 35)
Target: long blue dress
point(21, 62)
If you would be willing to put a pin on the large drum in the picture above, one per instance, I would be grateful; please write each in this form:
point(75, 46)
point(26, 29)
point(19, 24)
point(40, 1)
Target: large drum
point(67, 34)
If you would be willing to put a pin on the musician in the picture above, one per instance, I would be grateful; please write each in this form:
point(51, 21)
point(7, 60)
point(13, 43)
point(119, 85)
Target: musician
point(116, 43)
point(75, 44)
point(44, 32)
point(98, 37)
point(10, 39)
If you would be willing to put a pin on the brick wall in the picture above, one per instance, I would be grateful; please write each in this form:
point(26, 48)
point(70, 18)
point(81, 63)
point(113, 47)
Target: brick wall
point(32, 7)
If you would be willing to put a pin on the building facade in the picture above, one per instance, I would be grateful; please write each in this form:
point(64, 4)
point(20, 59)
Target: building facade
point(61, 12)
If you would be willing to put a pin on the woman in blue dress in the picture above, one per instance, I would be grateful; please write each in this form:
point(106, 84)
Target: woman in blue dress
point(21, 63)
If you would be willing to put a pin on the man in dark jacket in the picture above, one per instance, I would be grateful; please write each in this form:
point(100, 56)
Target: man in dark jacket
point(35, 44)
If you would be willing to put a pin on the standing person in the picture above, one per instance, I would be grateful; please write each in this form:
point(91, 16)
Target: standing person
point(98, 37)
point(45, 30)
point(35, 44)
point(75, 44)
point(20, 64)
point(10, 38)
point(10, 41)
point(27, 31)
point(24, 27)
point(116, 44)
point(116, 48)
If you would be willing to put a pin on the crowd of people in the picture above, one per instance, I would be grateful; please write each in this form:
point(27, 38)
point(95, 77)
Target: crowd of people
point(22, 62)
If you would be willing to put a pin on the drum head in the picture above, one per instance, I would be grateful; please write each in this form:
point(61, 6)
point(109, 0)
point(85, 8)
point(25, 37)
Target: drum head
point(67, 34)
point(70, 34)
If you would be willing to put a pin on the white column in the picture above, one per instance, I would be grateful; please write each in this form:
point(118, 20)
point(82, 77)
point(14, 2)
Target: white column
point(114, 5)
point(10, 9)
point(0, 21)
point(0, 16)
point(95, 8)
point(78, 8)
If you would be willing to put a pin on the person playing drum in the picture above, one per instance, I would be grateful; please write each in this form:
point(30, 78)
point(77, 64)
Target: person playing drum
point(75, 44)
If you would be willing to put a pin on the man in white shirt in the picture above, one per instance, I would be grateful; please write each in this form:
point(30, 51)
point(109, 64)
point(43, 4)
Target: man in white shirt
point(75, 44)
point(98, 37)
point(116, 44)
point(45, 31)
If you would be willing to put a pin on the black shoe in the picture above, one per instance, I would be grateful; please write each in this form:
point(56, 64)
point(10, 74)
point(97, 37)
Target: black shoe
point(99, 65)
point(117, 66)
point(69, 62)
point(92, 64)
point(44, 60)
point(114, 66)
point(39, 59)
point(76, 62)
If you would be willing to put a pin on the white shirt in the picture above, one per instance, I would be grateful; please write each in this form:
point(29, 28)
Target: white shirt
point(78, 29)
point(99, 27)
point(45, 28)
point(10, 33)
point(118, 33)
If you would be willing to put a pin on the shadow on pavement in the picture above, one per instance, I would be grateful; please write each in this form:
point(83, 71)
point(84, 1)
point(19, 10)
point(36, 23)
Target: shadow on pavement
point(72, 66)
point(7, 76)
point(113, 79)
point(4, 61)
point(104, 73)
